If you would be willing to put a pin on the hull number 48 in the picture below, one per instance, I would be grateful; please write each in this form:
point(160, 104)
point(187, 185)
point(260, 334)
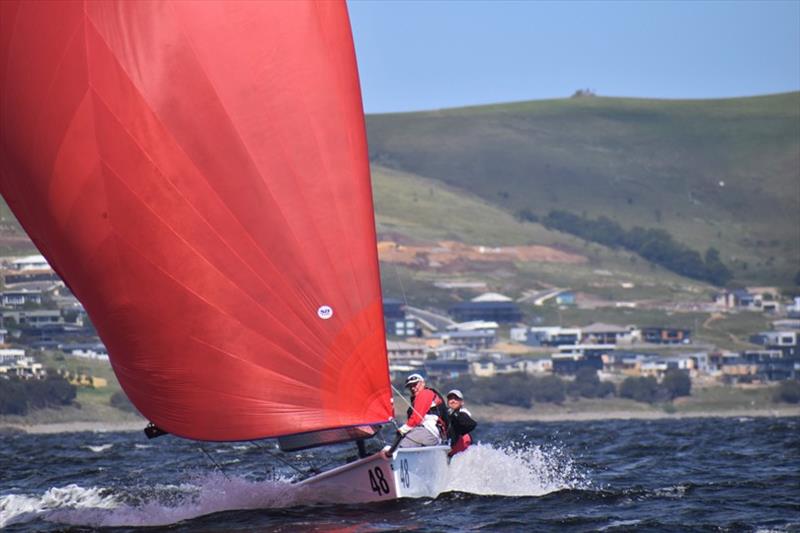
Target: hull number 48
point(378, 481)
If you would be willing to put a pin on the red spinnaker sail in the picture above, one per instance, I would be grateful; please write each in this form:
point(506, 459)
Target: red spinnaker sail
point(197, 173)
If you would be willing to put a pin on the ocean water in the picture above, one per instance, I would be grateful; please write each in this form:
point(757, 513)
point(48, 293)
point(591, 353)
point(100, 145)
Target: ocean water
point(711, 474)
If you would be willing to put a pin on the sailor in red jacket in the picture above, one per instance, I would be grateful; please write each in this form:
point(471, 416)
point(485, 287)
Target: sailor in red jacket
point(426, 425)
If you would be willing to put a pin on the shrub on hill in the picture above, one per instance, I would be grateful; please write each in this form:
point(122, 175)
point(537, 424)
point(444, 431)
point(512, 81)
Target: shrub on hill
point(655, 245)
point(788, 391)
point(588, 385)
point(549, 389)
point(677, 383)
point(17, 397)
point(120, 401)
point(13, 400)
point(647, 389)
point(640, 389)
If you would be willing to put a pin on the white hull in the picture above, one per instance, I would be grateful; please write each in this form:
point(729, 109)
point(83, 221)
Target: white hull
point(410, 473)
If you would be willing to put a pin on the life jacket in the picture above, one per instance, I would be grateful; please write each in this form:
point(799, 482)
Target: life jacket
point(437, 409)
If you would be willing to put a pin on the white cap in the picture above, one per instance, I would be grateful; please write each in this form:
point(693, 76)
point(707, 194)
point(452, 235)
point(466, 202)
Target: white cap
point(414, 379)
point(456, 393)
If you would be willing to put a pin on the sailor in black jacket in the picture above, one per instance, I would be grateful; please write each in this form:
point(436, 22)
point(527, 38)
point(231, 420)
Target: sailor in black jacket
point(459, 424)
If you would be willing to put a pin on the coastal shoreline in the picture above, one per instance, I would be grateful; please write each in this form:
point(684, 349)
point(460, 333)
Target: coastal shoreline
point(495, 414)
point(482, 413)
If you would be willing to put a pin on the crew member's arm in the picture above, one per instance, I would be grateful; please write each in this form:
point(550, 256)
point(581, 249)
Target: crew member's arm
point(422, 403)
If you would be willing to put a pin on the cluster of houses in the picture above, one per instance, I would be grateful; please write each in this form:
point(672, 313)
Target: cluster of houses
point(40, 313)
point(764, 299)
point(455, 348)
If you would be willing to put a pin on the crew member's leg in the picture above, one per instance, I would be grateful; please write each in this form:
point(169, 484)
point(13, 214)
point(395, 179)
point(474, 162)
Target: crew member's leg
point(419, 436)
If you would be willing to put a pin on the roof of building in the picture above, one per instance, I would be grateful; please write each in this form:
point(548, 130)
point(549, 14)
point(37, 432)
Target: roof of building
point(455, 363)
point(463, 334)
point(492, 297)
point(485, 305)
point(599, 327)
point(29, 260)
point(474, 325)
point(394, 346)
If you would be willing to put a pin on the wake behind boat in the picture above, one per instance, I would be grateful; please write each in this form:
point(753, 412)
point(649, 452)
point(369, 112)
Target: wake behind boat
point(197, 174)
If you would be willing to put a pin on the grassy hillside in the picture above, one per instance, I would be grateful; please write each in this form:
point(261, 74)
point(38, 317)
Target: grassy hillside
point(722, 173)
point(417, 208)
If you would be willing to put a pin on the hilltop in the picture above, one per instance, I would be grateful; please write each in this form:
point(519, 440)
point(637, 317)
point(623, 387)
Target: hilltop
point(713, 173)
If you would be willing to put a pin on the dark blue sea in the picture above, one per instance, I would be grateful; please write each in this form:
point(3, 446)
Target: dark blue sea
point(710, 474)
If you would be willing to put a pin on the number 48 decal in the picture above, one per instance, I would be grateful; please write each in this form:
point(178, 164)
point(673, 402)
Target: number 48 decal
point(377, 481)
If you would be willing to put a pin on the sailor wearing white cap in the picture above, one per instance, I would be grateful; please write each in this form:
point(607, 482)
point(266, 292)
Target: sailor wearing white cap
point(426, 425)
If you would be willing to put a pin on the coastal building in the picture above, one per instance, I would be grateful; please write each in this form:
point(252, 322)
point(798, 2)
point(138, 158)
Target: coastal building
point(491, 366)
point(665, 335)
point(34, 317)
point(490, 307)
point(95, 350)
point(569, 362)
point(15, 363)
point(398, 323)
point(599, 333)
point(30, 262)
point(22, 297)
point(473, 340)
point(404, 351)
point(443, 370)
point(453, 352)
point(784, 340)
point(552, 336)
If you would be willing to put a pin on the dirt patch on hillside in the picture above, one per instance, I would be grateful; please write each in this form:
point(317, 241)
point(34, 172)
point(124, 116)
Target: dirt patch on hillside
point(446, 255)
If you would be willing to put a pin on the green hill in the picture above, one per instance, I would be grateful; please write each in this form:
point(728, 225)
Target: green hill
point(417, 209)
point(714, 173)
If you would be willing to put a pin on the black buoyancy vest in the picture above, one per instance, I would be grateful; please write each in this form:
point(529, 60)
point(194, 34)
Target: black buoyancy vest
point(460, 424)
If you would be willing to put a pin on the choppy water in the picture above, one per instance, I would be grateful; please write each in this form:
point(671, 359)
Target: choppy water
point(701, 474)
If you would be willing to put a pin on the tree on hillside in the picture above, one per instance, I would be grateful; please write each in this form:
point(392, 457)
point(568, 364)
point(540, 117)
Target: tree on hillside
point(120, 401)
point(588, 385)
point(18, 396)
point(788, 391)
point(13, 400)
point(641, 389)
point(677, 383)
point(549, 389)
point(718, 273)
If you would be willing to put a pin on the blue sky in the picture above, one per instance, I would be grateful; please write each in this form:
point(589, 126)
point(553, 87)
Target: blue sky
point(417, 55)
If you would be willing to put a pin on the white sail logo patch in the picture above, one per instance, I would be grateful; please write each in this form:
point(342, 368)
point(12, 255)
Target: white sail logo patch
point(325, 312)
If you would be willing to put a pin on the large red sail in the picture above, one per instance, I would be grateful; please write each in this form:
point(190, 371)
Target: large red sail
point(197, 172)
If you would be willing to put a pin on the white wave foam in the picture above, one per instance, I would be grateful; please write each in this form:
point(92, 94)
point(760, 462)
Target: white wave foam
point(21, 508)
point(165, 504)
point(99, 448)
point(513, 470)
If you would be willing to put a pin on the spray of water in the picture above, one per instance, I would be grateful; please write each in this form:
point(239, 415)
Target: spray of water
point(516, 469)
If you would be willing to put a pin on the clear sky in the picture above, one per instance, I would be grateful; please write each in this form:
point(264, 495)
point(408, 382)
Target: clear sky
point(417, 55)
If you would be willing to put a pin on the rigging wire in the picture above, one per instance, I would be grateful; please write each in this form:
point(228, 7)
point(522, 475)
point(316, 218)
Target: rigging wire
point(215, 463)
point(280, 459)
